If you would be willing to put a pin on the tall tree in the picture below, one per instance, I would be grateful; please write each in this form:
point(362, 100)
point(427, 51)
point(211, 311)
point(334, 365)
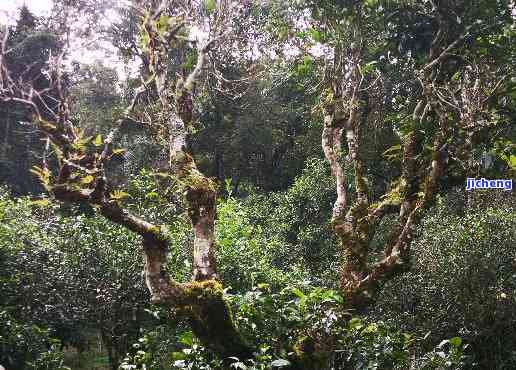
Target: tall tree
point(448, 97)
point(83, 176)
point(21, 146)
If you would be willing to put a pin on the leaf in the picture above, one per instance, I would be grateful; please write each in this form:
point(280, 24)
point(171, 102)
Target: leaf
point(190, 61)
point(153, 313)
point(44, 202)
point(162, 23)
point(456, 341)
point(119, 194)
point(456, 76)
point(175, 356)
point(262, 286)
point(238, 365)
point(355, 323)
point(280, 363)
point(118, 151)
point(371, 3)
point(98, 140)
point(86, 179)
point(393, 153)
point(371, 328)
point(43, 174)
point(186, 338)
point(315, 34)
point(298, 293)
point(152, 195)
point(368, 68)
point(392, 149)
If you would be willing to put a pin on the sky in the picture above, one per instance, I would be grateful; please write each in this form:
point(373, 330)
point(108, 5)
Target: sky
point(8, 8)
point(104, 52)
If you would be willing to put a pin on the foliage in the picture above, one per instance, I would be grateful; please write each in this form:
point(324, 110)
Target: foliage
point(61, 275)
point(95, 96)
point(261, 138)
point(462, 277)
point(440, 359)
point(245, 254)
point(299, 327)
point(298, 219)
point(27, 346)
point(31, 43)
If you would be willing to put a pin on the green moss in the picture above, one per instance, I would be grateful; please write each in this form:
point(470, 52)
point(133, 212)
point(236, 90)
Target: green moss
point(211, 319)
point(207, 290)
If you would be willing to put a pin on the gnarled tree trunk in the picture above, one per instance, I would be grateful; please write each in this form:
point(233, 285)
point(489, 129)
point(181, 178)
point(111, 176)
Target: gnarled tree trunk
point(355, 219)
point(82, 178)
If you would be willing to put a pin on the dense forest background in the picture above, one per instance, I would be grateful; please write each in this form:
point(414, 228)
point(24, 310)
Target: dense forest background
point(258, 185)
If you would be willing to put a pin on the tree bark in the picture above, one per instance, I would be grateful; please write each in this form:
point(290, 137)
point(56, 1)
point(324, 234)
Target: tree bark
point(82, 178)
point(202, 299)
point(355, 223)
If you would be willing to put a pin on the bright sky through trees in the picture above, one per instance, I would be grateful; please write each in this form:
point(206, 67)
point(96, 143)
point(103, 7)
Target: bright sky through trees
point(83, 51)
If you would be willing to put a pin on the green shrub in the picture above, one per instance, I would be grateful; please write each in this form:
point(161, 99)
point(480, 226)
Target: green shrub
point(75, 275)
point(26, 346)
point(298, 219)
point(463, 278)
point(296, 328)
point(245, 255)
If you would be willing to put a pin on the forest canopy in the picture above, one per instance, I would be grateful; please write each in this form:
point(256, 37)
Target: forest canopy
point(221, 184)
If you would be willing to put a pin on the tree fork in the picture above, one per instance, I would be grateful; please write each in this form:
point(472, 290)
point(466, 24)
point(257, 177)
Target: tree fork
point(202, 300)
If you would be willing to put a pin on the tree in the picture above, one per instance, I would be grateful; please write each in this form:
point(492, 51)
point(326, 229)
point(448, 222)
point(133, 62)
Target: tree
point(21, 146)
point(82, 175)
point(448, 106)
point(58, 273)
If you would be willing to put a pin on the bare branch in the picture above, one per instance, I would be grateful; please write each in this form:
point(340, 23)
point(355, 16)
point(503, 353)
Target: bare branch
point(447, 50)
point(201, 61)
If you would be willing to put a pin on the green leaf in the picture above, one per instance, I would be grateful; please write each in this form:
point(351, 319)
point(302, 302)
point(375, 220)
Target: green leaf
point(186, 338)
point(393, 153)
point(368, 68)
point(118, 151)
point(371, 328)
point(119, 194)
point(152, 195)
point(40, 202)
point(393, 148)
point(371, 3)
point(162, 23)
point(316, 35)
point(88, 179)
point(298, 293)
point(455, 341)
point(355, 323)
point(98, 140)
point(175, 356)
point(512, 161)
point(43, 174)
